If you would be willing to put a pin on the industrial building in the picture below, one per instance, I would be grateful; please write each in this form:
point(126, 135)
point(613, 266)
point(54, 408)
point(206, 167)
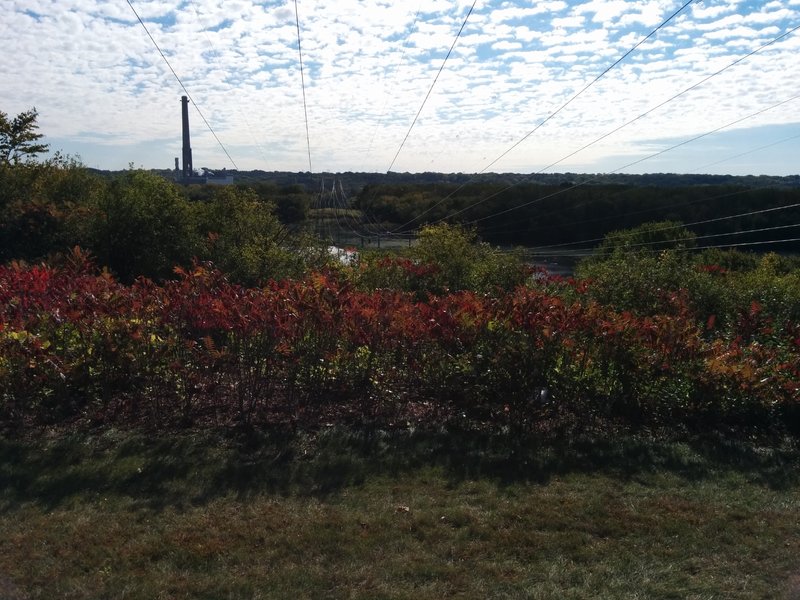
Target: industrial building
point(185, 173)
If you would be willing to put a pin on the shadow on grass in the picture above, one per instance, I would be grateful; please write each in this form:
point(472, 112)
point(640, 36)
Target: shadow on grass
point(194, 468)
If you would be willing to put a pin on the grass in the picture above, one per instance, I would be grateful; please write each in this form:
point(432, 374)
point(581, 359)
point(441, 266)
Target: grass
point(374, 515)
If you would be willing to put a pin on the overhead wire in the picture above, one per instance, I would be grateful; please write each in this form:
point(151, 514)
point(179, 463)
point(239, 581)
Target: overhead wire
point(444, 62)
point(589, 253)
point(333, 191)
point(188, 95)
point(617, 129)
point(560, 108)
point(715, 163)
point(348, 223)
point(728, 234)
point(340, 211)
point(671, 99)
point(745, 244)
point(213, 46)
point(534, 252)
point(683, 225)
point(778, 38)
point(591, 83)
point(351, 224)
point(373, 227)
point(626, 166)
point(303, 83)
point(617, 216)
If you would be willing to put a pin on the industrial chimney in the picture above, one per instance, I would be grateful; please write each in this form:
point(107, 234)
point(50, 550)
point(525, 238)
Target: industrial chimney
point(187, 147)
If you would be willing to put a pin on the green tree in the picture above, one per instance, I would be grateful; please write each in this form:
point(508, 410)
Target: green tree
point(43, 206)
point(641, 270)
point(464, 263)
point(648, 238)
point(19, 138)
point(244, 237)
point(142, 226)
point(291, 202)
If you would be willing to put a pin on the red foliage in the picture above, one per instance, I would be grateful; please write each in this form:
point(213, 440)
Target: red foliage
point(77, 343)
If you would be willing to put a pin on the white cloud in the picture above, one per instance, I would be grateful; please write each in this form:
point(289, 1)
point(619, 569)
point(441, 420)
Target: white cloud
point(96, 78)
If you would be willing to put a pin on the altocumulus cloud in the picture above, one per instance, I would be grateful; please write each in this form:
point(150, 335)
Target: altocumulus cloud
point(103, 91)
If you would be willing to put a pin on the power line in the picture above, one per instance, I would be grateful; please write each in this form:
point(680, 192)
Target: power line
point(250, 128)
point(712, 164)
point(658, 208)
point(711, 247)
point(630, 164)
point(683, 225)
point(559, 109)
point(672, 98)
point(188, 95)
point(458, 35)
point(743, 244)
point(626, 214)
point(372, 227)
point(303, 83)
point(591, 83)
point(534, 252)
point(605, 135)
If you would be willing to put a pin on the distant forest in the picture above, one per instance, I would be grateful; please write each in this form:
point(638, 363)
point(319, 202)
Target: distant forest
point(558, 208)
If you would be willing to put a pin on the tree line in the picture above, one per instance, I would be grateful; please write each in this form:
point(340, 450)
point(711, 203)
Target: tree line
point(535, 214)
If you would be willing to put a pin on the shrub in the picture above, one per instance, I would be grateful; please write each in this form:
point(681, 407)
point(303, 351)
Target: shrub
point(142, 226)
point(43, 207)
point(245, 239)
point(463, 263)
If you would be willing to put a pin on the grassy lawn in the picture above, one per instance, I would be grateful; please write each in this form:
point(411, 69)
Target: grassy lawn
point(341, 515)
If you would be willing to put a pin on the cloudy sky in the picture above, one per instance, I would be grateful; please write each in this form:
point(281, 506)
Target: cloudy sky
point(105, 94)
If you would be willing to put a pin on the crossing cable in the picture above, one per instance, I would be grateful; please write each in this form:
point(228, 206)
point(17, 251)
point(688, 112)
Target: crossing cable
point(671, 99)
point(458, 35)
point(626, 214)
point(188, 95)
point(682, 225)
point(716, 235)
point(712, 164)
point(605, 135)
point(303, 83)
point(333, 202)
point(345, 224)
point(534, 252)
point(349, 223)
point(250, 128)
point(711, 247)
point(371, 227)
point(630, 164)
point(324, 224)
point(591, 83)
point(661, 208)
point(560, 108)
point(352, 225)
point(739, 245)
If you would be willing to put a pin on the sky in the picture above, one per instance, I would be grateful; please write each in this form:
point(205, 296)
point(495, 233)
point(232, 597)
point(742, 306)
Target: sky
point(519, 92)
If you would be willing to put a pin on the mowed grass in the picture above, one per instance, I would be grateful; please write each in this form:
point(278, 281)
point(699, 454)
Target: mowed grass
point(349, 515)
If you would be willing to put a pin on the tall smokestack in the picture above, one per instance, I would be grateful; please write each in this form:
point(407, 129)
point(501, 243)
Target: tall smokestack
point(187, 146)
